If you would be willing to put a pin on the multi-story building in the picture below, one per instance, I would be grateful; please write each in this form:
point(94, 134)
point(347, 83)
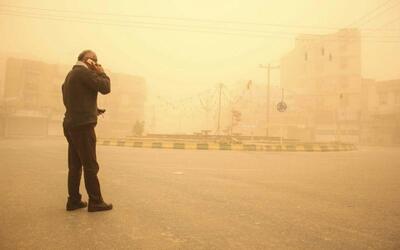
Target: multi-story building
point(2, 106)
point(322, 79)
point(124, 106)
point(2, 75)
point(33, 99)
point(381, 112)
point(32, 91)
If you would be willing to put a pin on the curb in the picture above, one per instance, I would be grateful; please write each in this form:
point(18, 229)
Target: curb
point(231, 147)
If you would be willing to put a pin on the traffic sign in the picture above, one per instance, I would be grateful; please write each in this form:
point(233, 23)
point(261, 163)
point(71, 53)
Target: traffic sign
point(281, 106)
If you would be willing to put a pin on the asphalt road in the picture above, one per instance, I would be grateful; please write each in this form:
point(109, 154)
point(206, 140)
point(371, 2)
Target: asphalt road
point(184, 199)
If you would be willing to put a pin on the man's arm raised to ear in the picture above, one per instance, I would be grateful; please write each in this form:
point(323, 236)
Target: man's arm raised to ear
point(98, 81)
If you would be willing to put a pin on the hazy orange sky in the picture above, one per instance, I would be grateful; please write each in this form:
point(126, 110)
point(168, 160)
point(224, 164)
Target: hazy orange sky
point(179, 63)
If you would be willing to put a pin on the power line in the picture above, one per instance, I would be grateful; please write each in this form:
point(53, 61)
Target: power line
point(169, 18)
point(391, 22)
point(154, 23)
point(218, 28)
point(380, 13)
point(366, 15)
point(293, 26)
point(138, 26)
point(174, 27)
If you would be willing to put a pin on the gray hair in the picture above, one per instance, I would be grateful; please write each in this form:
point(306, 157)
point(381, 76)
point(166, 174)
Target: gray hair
point(83, 54)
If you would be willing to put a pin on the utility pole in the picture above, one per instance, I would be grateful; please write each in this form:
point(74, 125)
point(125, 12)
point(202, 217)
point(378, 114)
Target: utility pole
point(153, 120)
point(268, 97)
point(219, 108)
point(230, 133)
point(268, 67)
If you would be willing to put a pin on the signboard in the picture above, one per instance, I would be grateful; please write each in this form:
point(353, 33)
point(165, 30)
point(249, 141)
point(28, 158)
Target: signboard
point(281, 106)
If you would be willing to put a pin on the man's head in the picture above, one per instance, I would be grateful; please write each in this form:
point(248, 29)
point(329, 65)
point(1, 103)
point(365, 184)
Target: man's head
point(87, 54)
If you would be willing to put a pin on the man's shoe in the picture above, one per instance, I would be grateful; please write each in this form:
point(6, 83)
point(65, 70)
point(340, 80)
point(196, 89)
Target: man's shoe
point(76, 205)
point(99, 206)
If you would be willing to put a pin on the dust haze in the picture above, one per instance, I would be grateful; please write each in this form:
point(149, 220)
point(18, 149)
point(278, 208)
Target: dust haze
point(190, 79)
point(177, 55)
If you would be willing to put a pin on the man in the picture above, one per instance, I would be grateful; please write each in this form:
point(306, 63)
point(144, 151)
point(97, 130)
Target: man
point(80, 90)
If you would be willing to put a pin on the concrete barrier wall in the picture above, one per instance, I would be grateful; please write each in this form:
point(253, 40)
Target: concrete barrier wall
point(225, 146)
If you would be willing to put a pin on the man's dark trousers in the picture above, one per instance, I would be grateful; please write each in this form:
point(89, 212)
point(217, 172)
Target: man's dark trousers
point(82, 152)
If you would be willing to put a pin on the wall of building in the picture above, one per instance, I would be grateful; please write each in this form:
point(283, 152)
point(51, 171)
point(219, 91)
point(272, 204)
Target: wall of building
point(124, 106)
point(381, 115)
point(2, 75)
point(322, 76)
point(32, 90)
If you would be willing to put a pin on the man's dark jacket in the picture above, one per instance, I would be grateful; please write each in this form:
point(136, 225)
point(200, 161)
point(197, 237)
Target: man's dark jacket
point(80, 95)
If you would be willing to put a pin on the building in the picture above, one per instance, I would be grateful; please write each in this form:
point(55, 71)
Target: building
point(2, 107)
point(124, 106)
point(322, 80)
point(33, 100)
point(2, 75)
point(32, 94)
point(381, 113)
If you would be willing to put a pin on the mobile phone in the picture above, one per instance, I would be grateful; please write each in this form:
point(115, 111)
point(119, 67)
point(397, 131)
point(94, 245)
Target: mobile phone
point(91, 62)
point(100, 111)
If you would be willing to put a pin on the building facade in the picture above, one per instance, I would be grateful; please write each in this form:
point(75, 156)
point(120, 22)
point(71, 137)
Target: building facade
point(32, 99)
point(124, 106)
point(380, 123)
point(323, 82)
point(32, 91)
point(2, 105)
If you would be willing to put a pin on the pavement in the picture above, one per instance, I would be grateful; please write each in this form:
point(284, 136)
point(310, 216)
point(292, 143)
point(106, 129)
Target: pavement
point(183, 199)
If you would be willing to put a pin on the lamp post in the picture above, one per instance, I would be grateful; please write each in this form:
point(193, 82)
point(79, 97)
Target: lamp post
point(219, 108)
point(268, 67)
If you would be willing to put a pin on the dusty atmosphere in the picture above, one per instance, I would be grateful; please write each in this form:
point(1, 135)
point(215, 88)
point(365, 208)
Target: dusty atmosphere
point(210, 124)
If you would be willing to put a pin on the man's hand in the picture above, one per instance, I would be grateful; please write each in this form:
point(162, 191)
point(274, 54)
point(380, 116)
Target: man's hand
point(98, 68)
point(100, 111)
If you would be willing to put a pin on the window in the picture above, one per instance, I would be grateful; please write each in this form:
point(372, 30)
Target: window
point(382, 98)
point(32, 79)
point(344, 100)
point(343, 63)
point(319, 67)
point(344, 82)
point(397, 98)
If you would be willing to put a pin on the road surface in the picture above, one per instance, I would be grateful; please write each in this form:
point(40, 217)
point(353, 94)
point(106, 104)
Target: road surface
point(185, 199)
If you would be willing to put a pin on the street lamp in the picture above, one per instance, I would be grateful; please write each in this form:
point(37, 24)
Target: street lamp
point(268, 67)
